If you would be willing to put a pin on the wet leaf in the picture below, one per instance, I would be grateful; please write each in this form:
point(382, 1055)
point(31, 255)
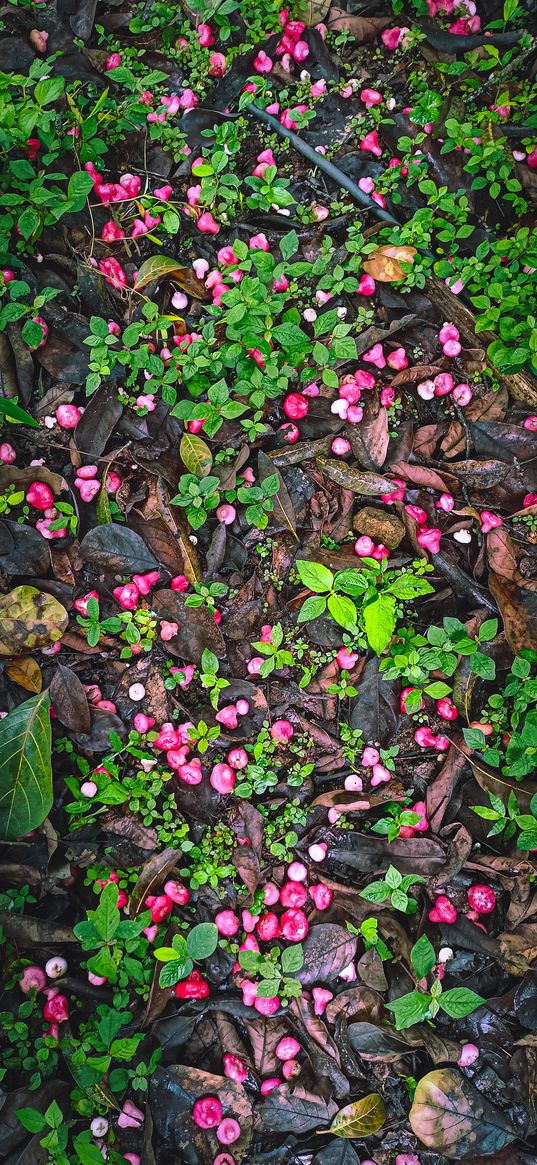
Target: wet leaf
point(337, 1153)
point(117, 549)
point(25, 767)
point(367, 484)
point(295, 1109)
point(449, 1115)
point(375, 709)
point(69, 699)
point(98, 420)
point(195, 455)
point(360, 1119)
point(25, 672)
point(197, 628)
point(29, 619)
point(328, 948)
point(283, 512)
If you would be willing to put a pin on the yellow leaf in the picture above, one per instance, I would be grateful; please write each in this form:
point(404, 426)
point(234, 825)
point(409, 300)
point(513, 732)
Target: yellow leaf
point(25, 672)
point(360, 1119)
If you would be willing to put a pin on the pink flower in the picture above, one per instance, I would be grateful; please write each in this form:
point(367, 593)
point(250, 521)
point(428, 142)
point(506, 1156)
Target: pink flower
point(364, 546)
point(462, 395)
point(227, 716)
point(282, 731)
point(217, 65)
point(207, 225)
point(391, 37)
point(113, 272)
point(398, 359)
point(163, 193)
point(262, 63)
point(188, 99)
point(113, 61)
point(68, 416)
point(375, 355)
point(226, 514)
point(111, 232)
point(259, 242)
point(370, 97)
point(489, 521)
point(429, 539)
point(205, 35)
point(370, 144)
point(366, 286)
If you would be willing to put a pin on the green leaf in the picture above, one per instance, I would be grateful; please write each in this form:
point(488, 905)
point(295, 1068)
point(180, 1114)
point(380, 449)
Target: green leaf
point(78, 189)
point(527, 839)
point(407, 586)
point(106, 917)
point(172, 973)
point(14, 413)
point(379, 622)
point(87, 1152)
point(422, 957)
point(291, 338)
point(315, 576)
point(437, 690)
point(166, 955)
point(202, 940)
point(409, 1009)
point(393, 878)
point(343, 610)
point(268, 988)
point(292, 958)
point(474, 737)
point(48, 90)
point(25, 767)
point(31, 1119)
point(482, 666)
point(460, 1001)
point(312, 608)
point(488, 630)
point(289, 245)
point(195, 455)
point(375, 892)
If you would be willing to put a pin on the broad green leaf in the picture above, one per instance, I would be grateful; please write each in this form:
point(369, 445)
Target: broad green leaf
point(409, 1009)
point(315, 576)
point(292, 958)
point(195, 455)
point(312, 608)
point(460, 1001)
point(14, 413)
point(360, 1119)
point(407, 586)
point(31, 1119)
point(202, 940)
point(166, 955)
point(29, 619)
point(422, 957)
point(106, 917)
point(25, 767)
point(172, 973)
point(342, 610)
point(379, 622)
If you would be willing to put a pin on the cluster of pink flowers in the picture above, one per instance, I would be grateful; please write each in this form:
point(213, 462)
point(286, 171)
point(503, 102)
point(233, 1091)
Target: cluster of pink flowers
point(291, 47)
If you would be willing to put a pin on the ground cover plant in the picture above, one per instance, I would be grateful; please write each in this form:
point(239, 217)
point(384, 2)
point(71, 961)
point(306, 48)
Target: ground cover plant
point(268, 582)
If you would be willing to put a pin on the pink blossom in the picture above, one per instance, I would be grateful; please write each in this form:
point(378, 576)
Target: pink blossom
point(263, 63)
point(370, 144)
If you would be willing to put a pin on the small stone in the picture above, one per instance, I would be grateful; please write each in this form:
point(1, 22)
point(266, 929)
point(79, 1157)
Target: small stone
point(381, 526)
